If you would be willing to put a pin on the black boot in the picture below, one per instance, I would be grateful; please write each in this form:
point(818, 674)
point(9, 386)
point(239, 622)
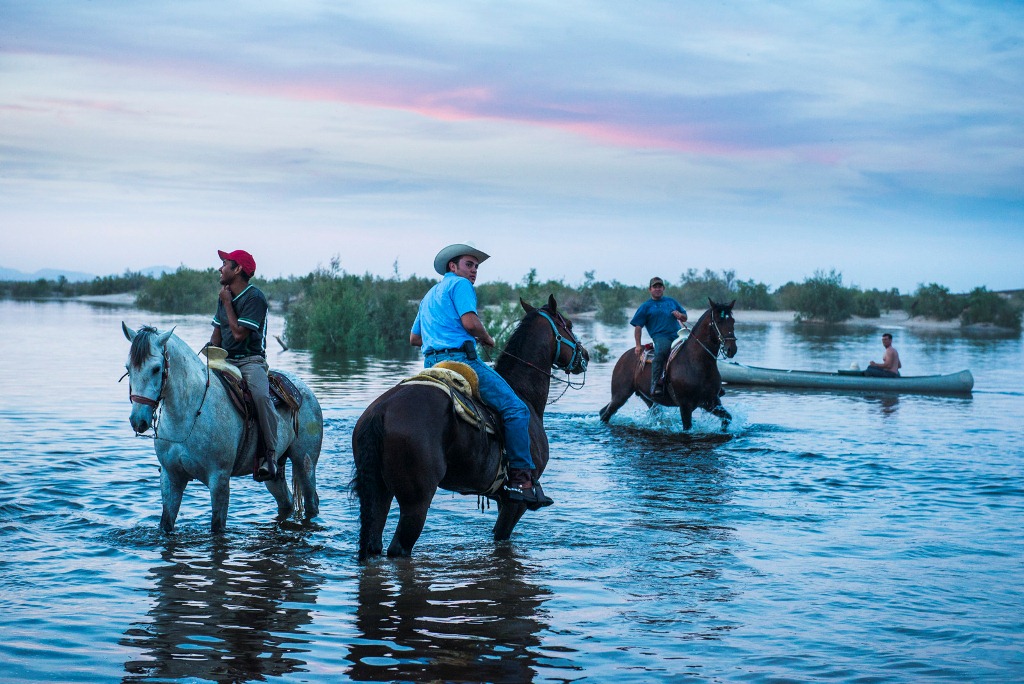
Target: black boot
point(267, 469)
point(520, 488)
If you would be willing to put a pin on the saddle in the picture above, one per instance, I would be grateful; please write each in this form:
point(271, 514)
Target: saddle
point(648, 355)
point(460, 382)
point(282, 392)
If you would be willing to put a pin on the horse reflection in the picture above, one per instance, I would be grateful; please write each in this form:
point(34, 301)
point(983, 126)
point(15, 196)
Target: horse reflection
point(223, 615)
point(478, 621)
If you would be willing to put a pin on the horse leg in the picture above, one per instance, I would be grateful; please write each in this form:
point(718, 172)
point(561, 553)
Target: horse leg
point(278, 486)
point(723, 415)
point(622, 386)
point(220, 495)
point(411, 518)
point(171, 490)
point(306, 500)
point(686, 413)
point(372, 517)
point(508, 515)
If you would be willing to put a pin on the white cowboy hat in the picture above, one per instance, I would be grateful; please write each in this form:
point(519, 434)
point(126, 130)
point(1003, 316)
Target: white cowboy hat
point(453, 252)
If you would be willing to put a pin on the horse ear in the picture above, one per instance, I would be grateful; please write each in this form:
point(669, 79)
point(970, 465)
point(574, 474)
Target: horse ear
point(552, 304)
point(711, 303)
point(128, 332)
point(732, 303)
point(526, 307)
point(162, 339)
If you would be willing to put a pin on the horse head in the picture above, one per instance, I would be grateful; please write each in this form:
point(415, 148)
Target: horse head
point(567, 352)
point(723, 327)
point(147, 372)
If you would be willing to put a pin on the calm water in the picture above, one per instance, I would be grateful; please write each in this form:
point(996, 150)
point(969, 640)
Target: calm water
point(826, 537)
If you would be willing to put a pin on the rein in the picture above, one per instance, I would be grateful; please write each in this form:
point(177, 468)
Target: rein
point(576, 361)
point(722, 339)
point(157, 406)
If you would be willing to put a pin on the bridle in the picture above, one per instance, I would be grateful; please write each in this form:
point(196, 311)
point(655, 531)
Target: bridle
point(577, 363)
point(722, 339)
point(157, 405)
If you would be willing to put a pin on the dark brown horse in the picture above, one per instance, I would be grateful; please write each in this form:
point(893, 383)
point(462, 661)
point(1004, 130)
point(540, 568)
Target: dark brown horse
point(691, 379)
point(409, 441)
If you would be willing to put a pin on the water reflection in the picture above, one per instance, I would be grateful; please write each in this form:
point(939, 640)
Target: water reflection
point(679, 492)
point(475, 620)
point(225, 615)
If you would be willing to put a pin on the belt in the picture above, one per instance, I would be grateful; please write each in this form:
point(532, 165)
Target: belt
point(236, 357)
point(450, 350)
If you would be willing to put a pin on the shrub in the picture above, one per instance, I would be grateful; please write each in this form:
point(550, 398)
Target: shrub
point(753, 296)
point(342, 313)
point(935, 301)
point(989, 307)
point(185, 291)
point(824, 298)
point(865, 304)
point(694, 288)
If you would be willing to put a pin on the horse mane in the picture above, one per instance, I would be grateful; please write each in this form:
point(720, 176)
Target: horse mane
point(140, 346)
point(517, 340)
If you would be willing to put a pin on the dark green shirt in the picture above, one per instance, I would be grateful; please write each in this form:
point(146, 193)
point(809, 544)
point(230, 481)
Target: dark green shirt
point(251, 309)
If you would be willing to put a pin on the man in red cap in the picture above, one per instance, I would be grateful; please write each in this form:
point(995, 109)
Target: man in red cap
point(240, 327)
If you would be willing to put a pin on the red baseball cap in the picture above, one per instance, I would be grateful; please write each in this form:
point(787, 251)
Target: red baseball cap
point(242, 258)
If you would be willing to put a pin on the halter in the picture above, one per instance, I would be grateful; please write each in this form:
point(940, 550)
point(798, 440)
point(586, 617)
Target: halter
point(722, 339)
point(576, 361)
point(155, 404)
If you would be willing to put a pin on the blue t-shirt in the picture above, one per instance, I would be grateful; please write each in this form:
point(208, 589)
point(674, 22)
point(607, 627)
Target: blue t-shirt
point(656, 316)
point(439, 319)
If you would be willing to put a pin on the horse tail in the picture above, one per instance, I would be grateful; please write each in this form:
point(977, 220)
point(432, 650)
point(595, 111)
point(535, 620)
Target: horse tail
point(368, 482)
point(298, 499)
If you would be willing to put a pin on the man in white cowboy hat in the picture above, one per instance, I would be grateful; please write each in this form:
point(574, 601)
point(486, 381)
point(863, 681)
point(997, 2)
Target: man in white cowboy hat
point(447, 327)
point(240, 327)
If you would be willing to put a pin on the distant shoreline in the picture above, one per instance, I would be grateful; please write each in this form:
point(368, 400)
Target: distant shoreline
point(890, 319)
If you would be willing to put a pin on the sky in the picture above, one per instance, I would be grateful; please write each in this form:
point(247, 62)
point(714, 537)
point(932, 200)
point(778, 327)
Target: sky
point(880, 139)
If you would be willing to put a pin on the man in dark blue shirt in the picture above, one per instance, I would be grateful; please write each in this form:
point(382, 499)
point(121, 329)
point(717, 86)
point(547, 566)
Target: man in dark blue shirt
point(662, 316)
point(240, 327)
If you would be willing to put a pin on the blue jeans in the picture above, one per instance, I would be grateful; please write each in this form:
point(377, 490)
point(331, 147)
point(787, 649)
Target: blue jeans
point(515, 414)
point(876, 372)
point(662, 348)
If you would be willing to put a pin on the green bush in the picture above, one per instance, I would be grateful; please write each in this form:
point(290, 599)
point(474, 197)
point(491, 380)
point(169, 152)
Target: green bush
point(754, 296)
point(865, 304)
point(186, 291)
point(988, 307)
point(823, 298)
point(696, 288)
point(342, 313)
point(935, 301)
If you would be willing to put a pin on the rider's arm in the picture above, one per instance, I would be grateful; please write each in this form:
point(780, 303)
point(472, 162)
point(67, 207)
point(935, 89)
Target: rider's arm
point(475, 327)
point(238, 331)
point(415, 340)
point(637, 330)
point(215, 338)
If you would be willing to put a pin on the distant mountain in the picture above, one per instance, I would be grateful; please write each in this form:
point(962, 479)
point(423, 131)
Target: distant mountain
point(72, 276)
point(45, 274)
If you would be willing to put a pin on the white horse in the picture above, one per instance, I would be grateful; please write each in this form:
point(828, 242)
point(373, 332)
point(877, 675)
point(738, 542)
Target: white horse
point(198, 433)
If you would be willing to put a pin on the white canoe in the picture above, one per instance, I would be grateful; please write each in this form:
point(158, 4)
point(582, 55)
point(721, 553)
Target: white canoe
point(737, 374)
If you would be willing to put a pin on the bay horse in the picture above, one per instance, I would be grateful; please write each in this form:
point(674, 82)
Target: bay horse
point(691, 380)
point(409, 441)
point(198, 433)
